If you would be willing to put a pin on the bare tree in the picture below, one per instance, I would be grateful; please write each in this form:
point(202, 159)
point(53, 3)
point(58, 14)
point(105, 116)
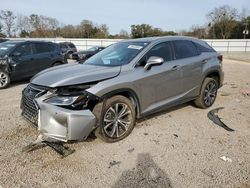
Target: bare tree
point(223, 19)
point(8, 19)
point(123, 34)
point(23, 25)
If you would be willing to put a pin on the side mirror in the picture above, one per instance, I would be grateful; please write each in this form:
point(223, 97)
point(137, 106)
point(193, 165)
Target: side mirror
point(153, 61)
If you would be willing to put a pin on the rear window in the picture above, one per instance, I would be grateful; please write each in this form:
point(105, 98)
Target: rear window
point(52, 46)
point(184, 49)
point(204, 48)
point(71, 45)
point(42, 48)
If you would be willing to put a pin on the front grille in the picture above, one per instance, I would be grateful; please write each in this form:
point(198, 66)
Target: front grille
point(29, 108)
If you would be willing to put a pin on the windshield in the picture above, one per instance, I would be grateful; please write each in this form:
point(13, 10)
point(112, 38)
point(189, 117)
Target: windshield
point(117, 54)
point(92, 49)
point(5, 47)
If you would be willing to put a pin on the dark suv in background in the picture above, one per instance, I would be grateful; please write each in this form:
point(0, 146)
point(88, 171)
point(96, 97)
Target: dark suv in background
point(24, 59)
point(68, 48)
point(83, 55)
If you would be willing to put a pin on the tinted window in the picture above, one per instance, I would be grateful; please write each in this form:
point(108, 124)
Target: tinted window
point(204, 48)
point(41, 48)
point(162, 50)
point(52, 46)
point(63, 46)
point(71, 45)
point(184, 49)
point(5, 47)
point(24, 49)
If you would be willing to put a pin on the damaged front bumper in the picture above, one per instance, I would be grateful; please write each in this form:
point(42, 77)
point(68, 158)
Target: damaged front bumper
point(64, 124)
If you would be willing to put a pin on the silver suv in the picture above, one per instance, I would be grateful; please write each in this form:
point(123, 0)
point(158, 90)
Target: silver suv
point(126, 81)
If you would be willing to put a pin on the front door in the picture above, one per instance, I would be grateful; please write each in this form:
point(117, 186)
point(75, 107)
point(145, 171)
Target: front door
point(161, 84)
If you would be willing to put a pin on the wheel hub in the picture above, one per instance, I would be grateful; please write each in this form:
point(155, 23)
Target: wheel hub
point(210, 93)
point(117, 120)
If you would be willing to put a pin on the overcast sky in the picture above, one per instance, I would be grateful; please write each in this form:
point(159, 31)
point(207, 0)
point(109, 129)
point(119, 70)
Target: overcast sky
point(120, 14)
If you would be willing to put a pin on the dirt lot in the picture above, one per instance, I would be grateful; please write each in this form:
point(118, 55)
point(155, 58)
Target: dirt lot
point(180, 147)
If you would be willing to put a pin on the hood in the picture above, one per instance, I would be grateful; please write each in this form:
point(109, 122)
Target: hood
point(73, 74)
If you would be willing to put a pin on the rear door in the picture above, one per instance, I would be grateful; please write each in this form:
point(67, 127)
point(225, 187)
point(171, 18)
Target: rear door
point(22, 65)
point(43, 56)
point(188, 58)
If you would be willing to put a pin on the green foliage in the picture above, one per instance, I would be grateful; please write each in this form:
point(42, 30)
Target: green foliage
point(224, 23)
point(145, 30)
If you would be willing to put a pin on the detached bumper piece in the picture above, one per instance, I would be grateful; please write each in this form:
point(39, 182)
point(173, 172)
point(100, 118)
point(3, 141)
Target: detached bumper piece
point(40, 142)
point(63, 124)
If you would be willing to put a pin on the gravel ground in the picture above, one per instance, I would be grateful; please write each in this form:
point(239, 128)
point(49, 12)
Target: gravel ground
point(180, 147)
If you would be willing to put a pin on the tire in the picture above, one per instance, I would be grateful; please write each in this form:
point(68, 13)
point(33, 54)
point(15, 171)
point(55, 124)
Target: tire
point(115, 120)
point(56, 64)
point(4, 79)
point(208, 93)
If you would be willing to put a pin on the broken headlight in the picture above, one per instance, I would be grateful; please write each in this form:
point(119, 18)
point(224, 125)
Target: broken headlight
point(72, 97)
point(61, 100)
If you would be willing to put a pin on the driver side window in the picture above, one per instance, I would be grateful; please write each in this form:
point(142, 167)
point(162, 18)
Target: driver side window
point(163, 50)
point(24, 49)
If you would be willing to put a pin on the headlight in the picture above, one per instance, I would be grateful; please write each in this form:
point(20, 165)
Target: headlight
point(61, 100)
point(3, 61)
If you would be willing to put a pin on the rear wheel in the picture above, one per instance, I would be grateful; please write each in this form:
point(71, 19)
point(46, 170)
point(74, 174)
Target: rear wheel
point(116, 120)
point(56, 64)
point(208, 93)
point(4, 79)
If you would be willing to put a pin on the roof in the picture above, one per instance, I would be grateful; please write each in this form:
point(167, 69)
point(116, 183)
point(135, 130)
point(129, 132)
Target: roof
point(151, 39)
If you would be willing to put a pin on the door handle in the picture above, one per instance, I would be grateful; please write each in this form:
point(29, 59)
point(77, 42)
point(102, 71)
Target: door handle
point(204, 61)
point(176, 67)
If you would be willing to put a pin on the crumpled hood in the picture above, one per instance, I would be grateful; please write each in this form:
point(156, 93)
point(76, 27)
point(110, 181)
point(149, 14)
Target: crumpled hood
point(73, 74)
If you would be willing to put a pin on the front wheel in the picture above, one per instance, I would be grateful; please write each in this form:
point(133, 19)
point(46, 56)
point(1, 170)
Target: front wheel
point(116, 119)
point(4, 79)
point(208, 93)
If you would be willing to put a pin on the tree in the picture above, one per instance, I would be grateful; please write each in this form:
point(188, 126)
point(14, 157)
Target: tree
point(222, 20)
point(8, 19)
point(139, 31)
point(43, 26)
point(87, 29)
point(145, 30)
point(1, 34)
point(123, 34)
point(196, 31)
point(23, 26)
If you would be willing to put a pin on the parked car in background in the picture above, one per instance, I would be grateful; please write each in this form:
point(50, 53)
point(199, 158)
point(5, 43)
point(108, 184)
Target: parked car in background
point(127, 80)
point(24, 59)
point(68, 48)
point(83, 55)
point(3, 40)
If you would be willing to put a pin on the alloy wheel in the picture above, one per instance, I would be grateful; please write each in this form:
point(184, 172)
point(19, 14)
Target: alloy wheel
point(210, 93)
point(3, 79)
point(117, 120)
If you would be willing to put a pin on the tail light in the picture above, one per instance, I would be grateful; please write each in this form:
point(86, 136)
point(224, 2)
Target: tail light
point(220, 57)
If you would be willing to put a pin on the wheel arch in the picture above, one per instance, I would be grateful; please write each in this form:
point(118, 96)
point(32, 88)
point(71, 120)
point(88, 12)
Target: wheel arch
point(128, 93)
point(213, 74)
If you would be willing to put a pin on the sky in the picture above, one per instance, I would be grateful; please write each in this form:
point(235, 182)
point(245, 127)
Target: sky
point(168, 15)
